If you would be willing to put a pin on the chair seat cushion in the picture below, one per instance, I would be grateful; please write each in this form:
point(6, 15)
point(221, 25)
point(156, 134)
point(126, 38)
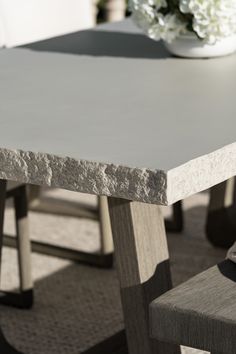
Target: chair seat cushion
point(201, 312)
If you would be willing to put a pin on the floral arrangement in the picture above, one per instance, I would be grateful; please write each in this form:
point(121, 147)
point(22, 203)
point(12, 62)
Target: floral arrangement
point(210, 20)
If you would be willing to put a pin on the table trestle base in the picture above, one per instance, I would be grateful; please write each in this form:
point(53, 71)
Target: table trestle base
point(92, 259)
point(49, 205)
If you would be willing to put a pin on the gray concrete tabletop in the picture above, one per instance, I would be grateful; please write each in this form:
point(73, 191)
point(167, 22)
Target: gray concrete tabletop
point(107, 111)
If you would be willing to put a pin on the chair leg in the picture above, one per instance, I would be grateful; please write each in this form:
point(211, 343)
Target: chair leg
point(176, 223)
point(23, 299)
point(24, 247)
point(5, 347)
point(221, 220)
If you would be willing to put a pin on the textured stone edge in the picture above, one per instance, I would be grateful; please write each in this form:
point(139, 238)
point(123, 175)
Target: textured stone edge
point(136, 184)
point(201, 173)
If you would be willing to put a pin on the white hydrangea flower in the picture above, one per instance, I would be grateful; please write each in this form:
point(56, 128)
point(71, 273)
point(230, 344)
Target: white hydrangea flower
point(146, 15)
point(157, 3)
point(143, 15)
point(168, 27)
point(139, 4)
point(212, 19)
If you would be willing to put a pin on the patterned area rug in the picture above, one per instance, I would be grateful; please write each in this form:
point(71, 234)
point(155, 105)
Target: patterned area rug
point(77, 306)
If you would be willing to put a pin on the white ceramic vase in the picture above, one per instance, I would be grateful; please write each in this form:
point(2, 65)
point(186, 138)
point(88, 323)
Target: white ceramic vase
point(190, 46)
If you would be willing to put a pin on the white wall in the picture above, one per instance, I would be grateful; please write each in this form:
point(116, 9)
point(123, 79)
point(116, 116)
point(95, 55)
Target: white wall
point(24, 21)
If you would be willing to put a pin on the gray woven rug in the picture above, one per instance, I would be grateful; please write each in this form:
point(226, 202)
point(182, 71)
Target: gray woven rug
point(77, 306)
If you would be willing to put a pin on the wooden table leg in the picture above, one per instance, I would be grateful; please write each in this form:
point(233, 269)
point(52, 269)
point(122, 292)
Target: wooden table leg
point(221, 216)
point(143, 267)
point(107, 246)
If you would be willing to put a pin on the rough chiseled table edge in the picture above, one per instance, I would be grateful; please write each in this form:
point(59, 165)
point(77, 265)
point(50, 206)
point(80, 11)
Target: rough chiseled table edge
point(201, 173)
point(137, 184)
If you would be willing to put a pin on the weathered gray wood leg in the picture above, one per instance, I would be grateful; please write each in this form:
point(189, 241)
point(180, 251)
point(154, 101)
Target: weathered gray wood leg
point(221, 216)
point(107, 246)
point(5, 347)
point(143, 268)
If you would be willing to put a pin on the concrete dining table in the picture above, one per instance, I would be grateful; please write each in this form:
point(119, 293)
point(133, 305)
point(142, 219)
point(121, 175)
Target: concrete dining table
point(109, 112)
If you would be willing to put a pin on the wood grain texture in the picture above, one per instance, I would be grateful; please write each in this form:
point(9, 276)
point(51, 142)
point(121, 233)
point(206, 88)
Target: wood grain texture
point(143, 268)
point(200, 313)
